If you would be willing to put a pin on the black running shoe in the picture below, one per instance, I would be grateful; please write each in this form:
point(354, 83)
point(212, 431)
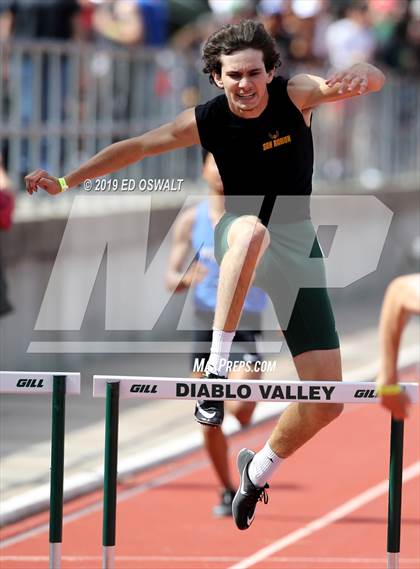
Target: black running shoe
point(225, 507)
point(210, 413)
point(247, 496)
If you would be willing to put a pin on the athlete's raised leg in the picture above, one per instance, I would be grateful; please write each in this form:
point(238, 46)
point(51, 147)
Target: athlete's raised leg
point(247, 241)
point(297, 425)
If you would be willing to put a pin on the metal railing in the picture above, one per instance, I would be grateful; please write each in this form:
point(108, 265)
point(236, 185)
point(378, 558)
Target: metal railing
point(62, 102)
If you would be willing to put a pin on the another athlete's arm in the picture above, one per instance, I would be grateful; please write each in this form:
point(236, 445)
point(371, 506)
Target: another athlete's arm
point(402, 298)
point(309, 91)
point(176, 278)
point(180, 133)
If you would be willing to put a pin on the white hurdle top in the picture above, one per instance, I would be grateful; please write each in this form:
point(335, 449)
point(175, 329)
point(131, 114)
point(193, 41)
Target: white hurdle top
point(287, 391)
point(37, 382)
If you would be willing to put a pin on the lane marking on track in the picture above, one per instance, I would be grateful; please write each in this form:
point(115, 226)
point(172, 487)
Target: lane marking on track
point(32, 501)
point(204, 559)
point(350, 506)
point(97, 506)
point(160, 481)
point(123, 495)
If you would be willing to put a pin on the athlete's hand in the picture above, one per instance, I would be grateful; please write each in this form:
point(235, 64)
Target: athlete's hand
point(195, 274)
point(398, 404)
point(354, 79)
point(41, 179)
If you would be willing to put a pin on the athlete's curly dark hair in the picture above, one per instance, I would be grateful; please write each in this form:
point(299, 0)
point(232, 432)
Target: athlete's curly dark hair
point(235, 37)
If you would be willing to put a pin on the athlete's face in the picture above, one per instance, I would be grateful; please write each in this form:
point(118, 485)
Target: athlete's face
point(244, 80)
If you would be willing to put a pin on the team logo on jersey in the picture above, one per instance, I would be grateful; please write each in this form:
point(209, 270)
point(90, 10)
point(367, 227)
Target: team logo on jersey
point(276, 140)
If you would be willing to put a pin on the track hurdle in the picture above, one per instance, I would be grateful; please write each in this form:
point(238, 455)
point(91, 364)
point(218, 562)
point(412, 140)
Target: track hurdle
point(59, 384)
point(114, 388)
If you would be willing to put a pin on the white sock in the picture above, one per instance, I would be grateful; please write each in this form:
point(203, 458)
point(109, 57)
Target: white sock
point(263, 465)
point(219, 352)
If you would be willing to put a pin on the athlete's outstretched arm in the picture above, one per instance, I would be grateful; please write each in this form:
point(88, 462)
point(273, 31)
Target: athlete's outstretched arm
point(180, 133)
point(309, 91)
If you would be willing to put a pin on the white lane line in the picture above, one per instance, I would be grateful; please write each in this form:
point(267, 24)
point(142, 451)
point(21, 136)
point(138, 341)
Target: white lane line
point(97, 505)
point(123, 495)
point(320, 523)
point(207, 559)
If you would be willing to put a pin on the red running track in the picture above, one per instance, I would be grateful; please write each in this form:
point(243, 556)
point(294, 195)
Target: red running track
point(165, 521)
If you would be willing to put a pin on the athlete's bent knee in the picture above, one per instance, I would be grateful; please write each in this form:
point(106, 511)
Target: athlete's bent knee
point(251, 235)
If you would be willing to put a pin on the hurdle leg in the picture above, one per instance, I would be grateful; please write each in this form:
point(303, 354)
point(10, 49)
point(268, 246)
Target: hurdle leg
point(110, 475)
point(57, 470)
point(395, 491)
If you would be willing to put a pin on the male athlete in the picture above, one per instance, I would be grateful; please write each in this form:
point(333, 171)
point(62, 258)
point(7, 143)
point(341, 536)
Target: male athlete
point(259, 132)
point(194, 229)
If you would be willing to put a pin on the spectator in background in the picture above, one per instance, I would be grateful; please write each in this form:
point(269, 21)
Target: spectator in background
point(386, 16)
point(341, 31)
point(5, 32)
point(155, 17)
point(273, 14)
point(402, 298)
point(127, 25)
point(351, 38)
point(347, 40)
point(6, 210)
point(397, 29)
point(6, 22)
point(36, 20)
point(303, 20)
point(41, 19)
point(194, 34)
point(298, 28)
point(117, 23)
point(231, 11)
point(129, 22)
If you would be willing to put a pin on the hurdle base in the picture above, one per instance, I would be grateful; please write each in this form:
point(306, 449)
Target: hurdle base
point(55, 555)
point(108, 557)
point(392, 560)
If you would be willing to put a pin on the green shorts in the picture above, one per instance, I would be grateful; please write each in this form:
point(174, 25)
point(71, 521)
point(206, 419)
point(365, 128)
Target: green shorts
point(292, 273)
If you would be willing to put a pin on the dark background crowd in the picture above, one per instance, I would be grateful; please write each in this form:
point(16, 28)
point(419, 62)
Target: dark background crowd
point(311, 32)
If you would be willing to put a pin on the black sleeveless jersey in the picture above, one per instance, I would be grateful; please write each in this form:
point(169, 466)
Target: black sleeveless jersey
point(268, 156)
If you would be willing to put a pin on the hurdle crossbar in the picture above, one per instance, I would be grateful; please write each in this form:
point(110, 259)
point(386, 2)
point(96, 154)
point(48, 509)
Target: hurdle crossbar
point(57, 384)
point(142, 387)
point(115, 387)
